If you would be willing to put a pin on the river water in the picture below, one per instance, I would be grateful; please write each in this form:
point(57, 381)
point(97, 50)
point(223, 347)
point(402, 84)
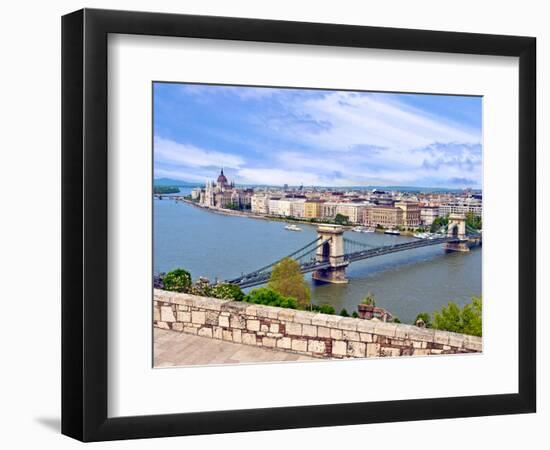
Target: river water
point(222, 247)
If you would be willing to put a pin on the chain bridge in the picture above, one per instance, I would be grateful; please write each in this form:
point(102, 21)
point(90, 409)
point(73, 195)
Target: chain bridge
point(330, 253)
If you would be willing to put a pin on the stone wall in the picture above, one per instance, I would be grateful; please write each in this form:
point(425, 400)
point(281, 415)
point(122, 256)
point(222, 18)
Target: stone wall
point(304, 332)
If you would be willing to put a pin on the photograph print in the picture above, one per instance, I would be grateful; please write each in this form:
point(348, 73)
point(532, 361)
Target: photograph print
point(299, 224)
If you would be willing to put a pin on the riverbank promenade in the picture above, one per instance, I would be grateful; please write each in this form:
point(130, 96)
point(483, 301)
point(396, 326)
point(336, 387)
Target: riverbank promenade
point(173, 349)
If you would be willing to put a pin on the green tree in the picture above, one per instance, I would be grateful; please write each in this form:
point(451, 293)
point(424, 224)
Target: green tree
point(324, 308)
point(266, 296)
point(473, 221)
point(228, 291)
point(471, 317)
point(177, 280)
point(466, 320)
point(340, 219)
point(438, 223)
point(369, 300)
point(425, 317)
point(344, 312)
point(287, 280)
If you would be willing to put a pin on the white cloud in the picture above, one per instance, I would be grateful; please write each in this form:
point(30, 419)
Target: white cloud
point(371, 119)
point(171, 152)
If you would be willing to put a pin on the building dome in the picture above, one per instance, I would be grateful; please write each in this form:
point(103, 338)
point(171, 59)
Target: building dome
point(222, 181)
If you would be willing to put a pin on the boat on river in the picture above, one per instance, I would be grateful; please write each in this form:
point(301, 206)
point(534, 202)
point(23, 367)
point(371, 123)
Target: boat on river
point(292, 227)
point(392, 231)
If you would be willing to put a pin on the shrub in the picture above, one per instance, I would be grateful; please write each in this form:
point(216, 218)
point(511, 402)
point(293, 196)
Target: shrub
point(354, 314)
point(344, 312)
point(369, 300)
point(425, 317)
point(396, 320)
point(177, 280)
point(466, 320)
point(266, 296)
point(202, 288)
point(324, 308)
point(228, 291)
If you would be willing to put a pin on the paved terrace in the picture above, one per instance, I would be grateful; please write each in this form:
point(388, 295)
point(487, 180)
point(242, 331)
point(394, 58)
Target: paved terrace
point(173, 348)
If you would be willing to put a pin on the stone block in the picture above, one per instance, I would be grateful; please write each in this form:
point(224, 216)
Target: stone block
point(300, 345)
point(163, 325)
point(404, 331)
point(333, 321)
point(227, 335)
point(156, 313)
point(177, 326)
point(274, 328)
point(320, 319)
point(269, 342)
point(316, 346)
point(209, 303)
point(473, 343)
point(223, 321)
point(390, 351)
point(350, 335)
point(232, 307)
point(264, 328)
point(248, 338)
point(309, 330)
point(252, 310)
point(275, 335)
point(421, 352)
point(348, 323)
point(237, 321)
point(421, 334)
point(441, 337)
point(273, 312)
point(183, 308)
point(323, 332)
point(286, 314)
point(294, 329)
point(456, 340)
point(198, 317)
point(335, 334)
point(253, 325)
point(366, 337)
point(284, 342)
point(190, 330)
point(237, 336)
point(303, 317)
point(356, 349)
point(373, 350)
point(184, 316)
point(217, 332)
point(205, 332)
point(167, 314)
point(385, 329)
point(366, 326)
point(212, 317)
point(339, 348)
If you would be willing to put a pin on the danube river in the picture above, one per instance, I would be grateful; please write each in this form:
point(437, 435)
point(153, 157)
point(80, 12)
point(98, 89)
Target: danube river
point(222, 247)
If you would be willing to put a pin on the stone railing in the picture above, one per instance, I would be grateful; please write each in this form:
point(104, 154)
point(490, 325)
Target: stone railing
point(304, 332)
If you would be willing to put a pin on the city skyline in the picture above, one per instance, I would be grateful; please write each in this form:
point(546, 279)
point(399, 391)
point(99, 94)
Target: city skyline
point(322, 138)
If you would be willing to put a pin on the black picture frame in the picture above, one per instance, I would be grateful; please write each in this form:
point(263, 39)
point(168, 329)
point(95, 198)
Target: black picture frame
point(84, 224)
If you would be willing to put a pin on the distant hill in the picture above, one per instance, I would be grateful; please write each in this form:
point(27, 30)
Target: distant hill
point(172, 182)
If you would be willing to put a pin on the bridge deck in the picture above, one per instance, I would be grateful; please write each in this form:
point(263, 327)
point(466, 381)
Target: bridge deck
point(261, 276)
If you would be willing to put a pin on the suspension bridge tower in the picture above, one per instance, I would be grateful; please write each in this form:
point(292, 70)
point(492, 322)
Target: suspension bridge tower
point(331, 251)
point(457, 229)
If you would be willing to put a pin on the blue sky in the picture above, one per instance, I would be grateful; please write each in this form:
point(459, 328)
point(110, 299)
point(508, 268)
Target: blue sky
point(316, 137)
